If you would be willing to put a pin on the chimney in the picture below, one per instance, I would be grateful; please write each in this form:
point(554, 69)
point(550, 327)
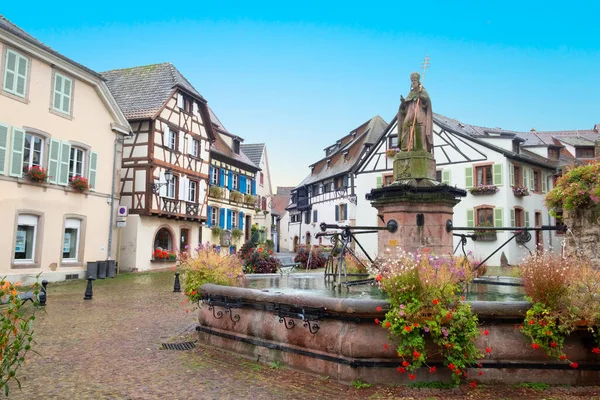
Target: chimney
point(532, 130)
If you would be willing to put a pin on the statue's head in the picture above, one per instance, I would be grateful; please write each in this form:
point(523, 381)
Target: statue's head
point(414, 80)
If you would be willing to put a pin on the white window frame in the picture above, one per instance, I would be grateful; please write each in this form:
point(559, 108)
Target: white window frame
point(26, 220)
point(214, 179)
point(192, 189)
point(71, 223)
point(72, 161)
point(63, 96)
point(16, 77)
point(248, 186)
point(195, 147)
point(172, 140)
point(234, 219)
point(214, 216)
point(29, 162)
point(171, 188)
point(234, 182)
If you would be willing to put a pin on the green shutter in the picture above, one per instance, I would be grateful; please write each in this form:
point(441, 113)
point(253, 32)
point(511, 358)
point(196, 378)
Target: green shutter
point(58, 80)
point(498, 217)
point(92, 170)
point(3, 148)
point(470, 218)
point(469, 177)
point(21, 75)
point(10, 71)
point(337, 213)
point(17, 146)
point(527, 218)
point(62, 93)
point(498, 174)
point(63, 164)
point(544, 183)
point(512, 217)
point(531, 179)
point(525, 177)
point(53, 161)
point(66, 100)
point(511, 171)
point(446, 176)
point(379, 181)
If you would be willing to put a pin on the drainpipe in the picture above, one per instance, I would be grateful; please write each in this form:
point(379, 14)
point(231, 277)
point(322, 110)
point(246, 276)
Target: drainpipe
point(112, 201)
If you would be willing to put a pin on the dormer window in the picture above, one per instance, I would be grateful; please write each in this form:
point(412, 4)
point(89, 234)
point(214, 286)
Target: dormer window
point(516, 147)
point(328, 164)
point(312, 169)
point(584, 152)
point(553, 153)
point(346, 155)
point(236, 146)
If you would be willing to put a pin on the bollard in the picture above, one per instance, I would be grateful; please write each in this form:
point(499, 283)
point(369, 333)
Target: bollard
point(42, 294)
point(177, 285)
point(88, 289)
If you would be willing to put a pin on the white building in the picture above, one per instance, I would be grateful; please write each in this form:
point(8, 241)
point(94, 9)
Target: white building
point(328, 193)
point(472, 157)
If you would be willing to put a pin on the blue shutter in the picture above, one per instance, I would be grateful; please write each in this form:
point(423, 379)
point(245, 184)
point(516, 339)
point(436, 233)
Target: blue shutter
point(242, 184)
point(241, 224)
point(222, 218)
point(345, 212)
point(230, 180)
point(208, 210)
point(229, 219)
point(253, 187)
point(210, 169)
point(337, 213)
point(222, 177)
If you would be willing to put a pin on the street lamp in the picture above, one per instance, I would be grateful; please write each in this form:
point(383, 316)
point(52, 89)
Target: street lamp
point(168, 178)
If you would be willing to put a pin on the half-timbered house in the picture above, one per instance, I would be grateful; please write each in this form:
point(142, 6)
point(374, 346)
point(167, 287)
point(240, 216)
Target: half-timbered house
point(59, 124)
point(232, 198)
point(328, 194)
point(165, 166)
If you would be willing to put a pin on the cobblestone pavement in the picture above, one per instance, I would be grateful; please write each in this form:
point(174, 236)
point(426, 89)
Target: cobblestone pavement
point(109, 348)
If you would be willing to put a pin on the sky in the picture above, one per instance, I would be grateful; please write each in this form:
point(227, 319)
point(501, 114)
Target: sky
point(299, 75)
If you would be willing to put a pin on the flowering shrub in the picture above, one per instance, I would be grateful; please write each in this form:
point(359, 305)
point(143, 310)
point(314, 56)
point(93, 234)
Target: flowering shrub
point(164, 255)
point(79, 184)
point(37, 174)
point(16, 331)
point(206, 265)
point(259, 260)
point(485, 189)
point(391, 153)
point(576, 189)
point(425, 302)
point(520, 191)
point(314, 258)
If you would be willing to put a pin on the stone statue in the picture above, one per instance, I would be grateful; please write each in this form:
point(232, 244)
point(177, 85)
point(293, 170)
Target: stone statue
point(415, 119)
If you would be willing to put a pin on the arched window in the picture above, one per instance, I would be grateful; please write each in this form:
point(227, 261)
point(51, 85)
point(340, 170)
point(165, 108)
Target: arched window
point(163, 239)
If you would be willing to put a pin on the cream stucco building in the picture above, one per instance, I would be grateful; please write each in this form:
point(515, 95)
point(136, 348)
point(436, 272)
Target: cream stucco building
point(59, 116)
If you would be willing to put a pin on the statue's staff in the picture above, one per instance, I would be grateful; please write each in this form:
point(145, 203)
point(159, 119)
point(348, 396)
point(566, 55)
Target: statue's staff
point(412, 128)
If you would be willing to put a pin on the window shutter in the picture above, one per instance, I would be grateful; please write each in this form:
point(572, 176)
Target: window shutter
point(202, 192)
point(58, 83)
point(92, 170)
point(229, 219)
point(63, 166)
point(337, 213)
point(17, 145)
point(179, 100)
point(241, 224)
point(208, 214)
point(512, 218)
point(242, 184)
point(469, 177)
point(195, 109)
point(229, 180)
point(544, 183)
point(446, 176)
point(497, 179)
point(180, 141)
point(181, 195)
point(511, 172)
point(162, 191)
point(3, 146)
point(222, 218)
point(166, 141)
point(222, 177)
point(498, 217)
point(315, 215)
point(345, 212)
point(525, 177)
point(531, 179)
point(379, 181)
point(10, 71)
point(53, 161)
point(21, 75)
point(527, 218)
point(190, 145)
point(253, 187)
point(346, 181)
point(66, 95)
point(470, 218)
point(210, 172)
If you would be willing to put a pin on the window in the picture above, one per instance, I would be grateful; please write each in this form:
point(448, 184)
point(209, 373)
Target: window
point(518, 176)
point(264, 203)
point(262, 178)
point(346, 156)
point(195, 148)
point(171, 185)
point(388, 179)
point(214, 179)
point(249, 186)
point(32, 152)
point(584, 152)
point(519, 217)
point(192, 191)
point(15, 73)
point(234, 182)
point(234, 219)
point(63, 91)
point(341, 212)
point(393, 142)
point(76, 162)
point(163, 240)
point(71, 237)
point(188, 104)
point(236, 146)
point(172, 140)
point(438, 175)
point(214, 216)
point(26, 238)
point(307, 217)
point(553, 154)
point(484, 175)
point(516, 146)
point(485, 217)
point(537, 181)
point(315, 215)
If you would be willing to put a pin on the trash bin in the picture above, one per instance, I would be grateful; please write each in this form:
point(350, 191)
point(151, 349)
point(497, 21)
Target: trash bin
point(111, 268)
point(102, 265)
point(92, 270)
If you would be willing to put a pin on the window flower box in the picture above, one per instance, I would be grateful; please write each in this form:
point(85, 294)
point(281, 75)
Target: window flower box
point(485, 236)
point(391, 153)
point(164, 255)
point(236, 196)
point(520, 191)
point(37, 174)
point(249, 199)
point(79, 184)
point(485, 189)
point(215, 191)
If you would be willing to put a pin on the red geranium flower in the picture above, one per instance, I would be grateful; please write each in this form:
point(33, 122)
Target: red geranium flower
point(378, 278)
point(480, 373)
point(449, 314)
point(553, 344)
point(486, 332)
point(387, 324)
point(401, 370)
point(548, 333)
point(376, 321)
point(432, 369)
point(452, 366)
point(405, 363)
point(435, 301)
point(488, 349)
point(378, 308)
point(260, 249)
point(412, 376)
point(535, 346)
point(408, 328)
point(385, 346)
point(416, 325)
point(574, 365)
point(416, 354)
point(473, 385)
point(532, 322)
point(563, 357)
point(596, 350)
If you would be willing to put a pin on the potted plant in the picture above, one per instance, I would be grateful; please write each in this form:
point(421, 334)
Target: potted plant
point(216, 231)
point(215, 191)
point(484, 189)
point(236, 196)
point(520, 191)
point(37, 174)
point(485, 235)
point(236, 234)
point(164, 255)
point(391, 153)
point(79, 184)
point(249, 199)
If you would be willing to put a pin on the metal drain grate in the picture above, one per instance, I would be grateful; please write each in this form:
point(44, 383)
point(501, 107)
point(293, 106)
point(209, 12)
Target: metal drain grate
point(179, 346)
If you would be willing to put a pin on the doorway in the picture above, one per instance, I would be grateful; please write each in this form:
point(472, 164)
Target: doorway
point(248, 227)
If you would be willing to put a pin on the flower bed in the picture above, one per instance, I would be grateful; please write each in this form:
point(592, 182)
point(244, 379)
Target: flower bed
point(259, 260)
point(486, 189)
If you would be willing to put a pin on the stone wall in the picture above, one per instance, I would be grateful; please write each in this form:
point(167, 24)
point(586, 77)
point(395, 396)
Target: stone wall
point(585, 238)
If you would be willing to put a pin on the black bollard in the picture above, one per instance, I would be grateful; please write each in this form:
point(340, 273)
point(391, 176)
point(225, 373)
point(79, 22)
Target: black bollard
point(88, 289)
point(42, 294)
point(177, 285)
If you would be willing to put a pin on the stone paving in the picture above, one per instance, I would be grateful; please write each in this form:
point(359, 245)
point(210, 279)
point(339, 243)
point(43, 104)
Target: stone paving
point(110, 348)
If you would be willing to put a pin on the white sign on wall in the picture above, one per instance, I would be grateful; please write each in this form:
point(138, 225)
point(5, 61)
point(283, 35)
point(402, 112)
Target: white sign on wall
point(67, 242)
point(20, 242)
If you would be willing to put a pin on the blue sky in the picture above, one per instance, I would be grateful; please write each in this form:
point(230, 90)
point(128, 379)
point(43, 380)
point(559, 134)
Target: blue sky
point(297, 76)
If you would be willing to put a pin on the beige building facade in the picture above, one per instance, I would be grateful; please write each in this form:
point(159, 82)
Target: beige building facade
point(57, 117)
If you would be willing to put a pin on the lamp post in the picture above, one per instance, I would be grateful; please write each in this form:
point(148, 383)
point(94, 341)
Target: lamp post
point(168, 178)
